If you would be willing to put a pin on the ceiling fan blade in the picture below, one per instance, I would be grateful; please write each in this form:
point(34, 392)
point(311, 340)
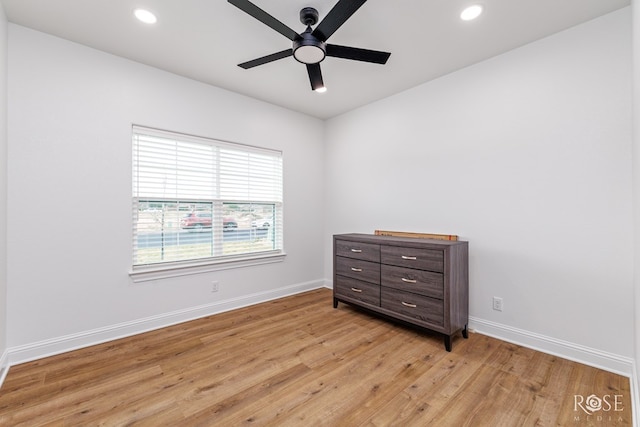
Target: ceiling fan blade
point(357, 54)
point(315, 76)
point(266, 59)
point(265, 18)
point(336, 17)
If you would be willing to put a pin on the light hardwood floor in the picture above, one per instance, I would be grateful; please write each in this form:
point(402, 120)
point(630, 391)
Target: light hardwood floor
point(299, 362)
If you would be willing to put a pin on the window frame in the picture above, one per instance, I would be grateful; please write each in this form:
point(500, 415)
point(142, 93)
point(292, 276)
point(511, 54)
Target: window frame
point(175, 268)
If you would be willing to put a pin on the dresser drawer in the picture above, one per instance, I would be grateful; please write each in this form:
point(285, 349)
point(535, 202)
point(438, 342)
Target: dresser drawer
point(357, 290)
point(427, 283)
point(358, 269)
point(418, 258)
point(415, 306)
point(357, 250)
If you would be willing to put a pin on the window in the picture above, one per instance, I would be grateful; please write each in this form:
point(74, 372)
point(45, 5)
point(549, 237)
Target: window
point(200, 201)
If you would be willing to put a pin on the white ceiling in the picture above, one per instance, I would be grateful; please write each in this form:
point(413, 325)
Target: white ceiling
point(205, 39)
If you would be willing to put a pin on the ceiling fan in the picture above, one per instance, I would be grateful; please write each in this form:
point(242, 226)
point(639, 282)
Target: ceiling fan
point(311, 47)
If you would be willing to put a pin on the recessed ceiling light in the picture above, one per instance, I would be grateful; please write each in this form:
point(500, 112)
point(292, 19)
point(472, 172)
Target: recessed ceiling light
point(471, 13)
point(321, 89)
point(145, 16)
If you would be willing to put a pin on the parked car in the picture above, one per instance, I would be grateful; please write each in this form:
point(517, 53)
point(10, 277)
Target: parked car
point(261, 223)
point(229, 223)
point(200, 220)
point(196, 220)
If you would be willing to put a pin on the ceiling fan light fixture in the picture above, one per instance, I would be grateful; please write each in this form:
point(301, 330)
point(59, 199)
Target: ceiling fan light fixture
point(471, 12)
point(308, 49)
point(308, 54)
point(145, 16)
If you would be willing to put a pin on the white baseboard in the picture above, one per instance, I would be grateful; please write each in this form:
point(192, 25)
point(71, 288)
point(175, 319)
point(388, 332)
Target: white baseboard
point(4, 366)
point(567, 350)
point(635, 395)
point(597, 358)
point(50, 347)
point(588, 356)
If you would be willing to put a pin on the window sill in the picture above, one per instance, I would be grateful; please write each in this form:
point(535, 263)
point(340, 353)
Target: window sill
point(167, 271)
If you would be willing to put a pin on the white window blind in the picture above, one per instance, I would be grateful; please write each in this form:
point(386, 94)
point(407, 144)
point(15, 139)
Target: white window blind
point(199, 199)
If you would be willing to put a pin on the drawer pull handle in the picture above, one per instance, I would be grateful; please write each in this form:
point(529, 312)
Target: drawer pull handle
point(412, 258)
point(357, 270)
point(357, 251)
point(356, 290)
point(406, 304)
point(409, 280)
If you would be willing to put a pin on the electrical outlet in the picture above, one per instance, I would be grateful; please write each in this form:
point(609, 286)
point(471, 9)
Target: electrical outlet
point(497, 304)
point(215, 286)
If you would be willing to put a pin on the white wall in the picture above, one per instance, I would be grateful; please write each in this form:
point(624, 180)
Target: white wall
point(3, 192)
point(635, 4)
point(69, 197)
point(528, 157)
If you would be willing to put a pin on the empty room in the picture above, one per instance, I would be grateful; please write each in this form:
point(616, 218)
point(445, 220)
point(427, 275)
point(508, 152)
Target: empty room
point(319, 212)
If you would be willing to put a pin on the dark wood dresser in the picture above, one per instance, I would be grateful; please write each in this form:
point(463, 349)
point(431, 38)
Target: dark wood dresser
point(422, 282)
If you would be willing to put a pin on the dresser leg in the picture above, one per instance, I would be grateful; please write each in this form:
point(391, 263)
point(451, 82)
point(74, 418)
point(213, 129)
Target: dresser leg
point(465, 332)
point(447, 342)
point(335, 303)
